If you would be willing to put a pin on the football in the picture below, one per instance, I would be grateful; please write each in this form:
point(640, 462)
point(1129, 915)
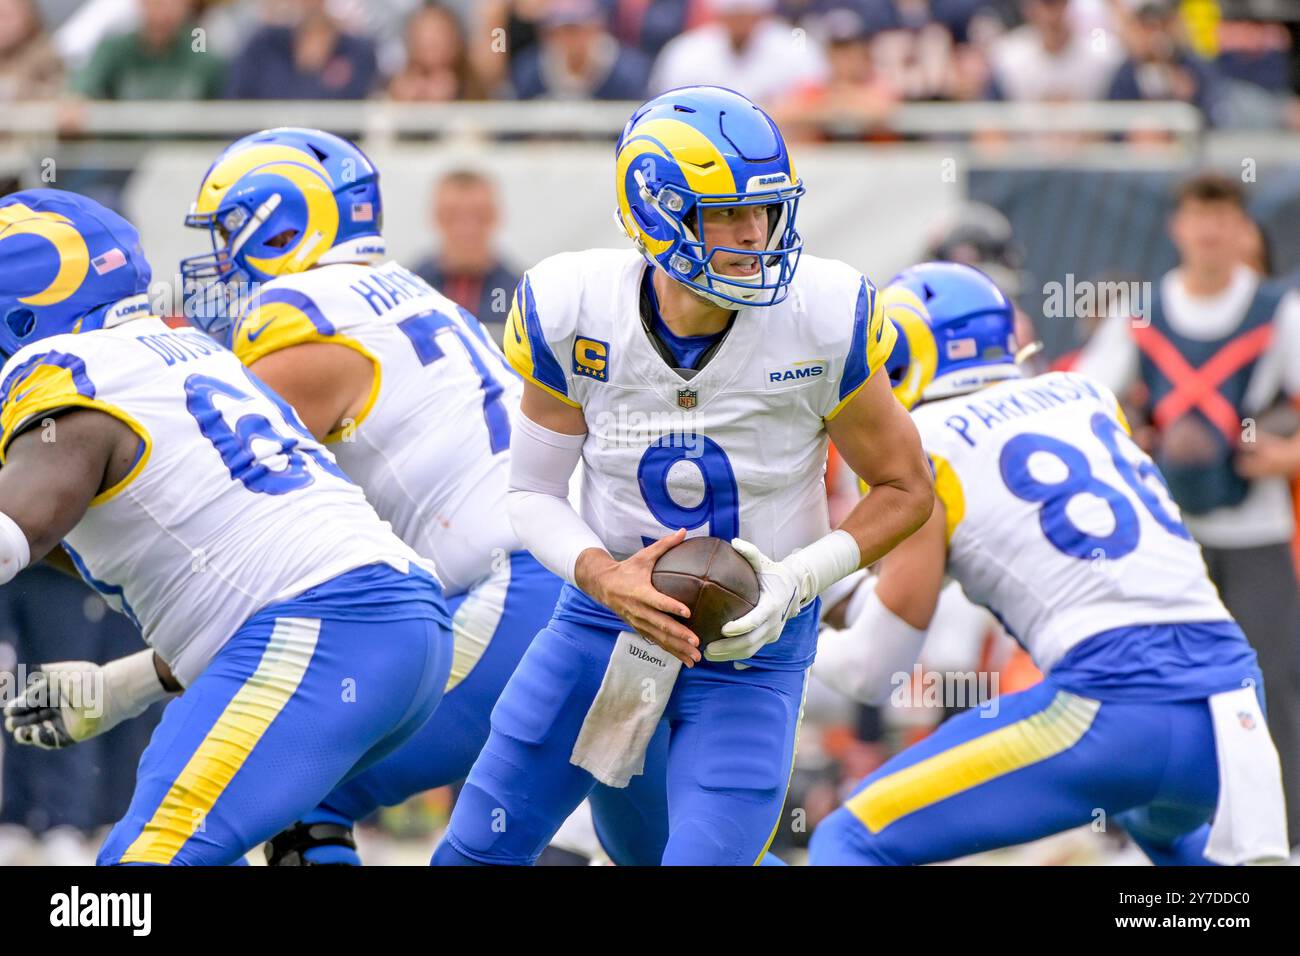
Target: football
point(711, 578)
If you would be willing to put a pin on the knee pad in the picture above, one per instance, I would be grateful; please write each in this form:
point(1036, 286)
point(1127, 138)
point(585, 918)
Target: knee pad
point(541, 690)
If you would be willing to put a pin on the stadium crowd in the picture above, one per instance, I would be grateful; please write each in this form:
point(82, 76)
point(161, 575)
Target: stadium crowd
point(827, 68)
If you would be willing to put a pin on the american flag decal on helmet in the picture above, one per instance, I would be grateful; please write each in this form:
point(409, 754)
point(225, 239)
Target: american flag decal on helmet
point(961, 349)
point(113, 259)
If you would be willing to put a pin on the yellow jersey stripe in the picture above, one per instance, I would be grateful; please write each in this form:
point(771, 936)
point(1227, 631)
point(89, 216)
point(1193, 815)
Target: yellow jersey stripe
point(947, 486)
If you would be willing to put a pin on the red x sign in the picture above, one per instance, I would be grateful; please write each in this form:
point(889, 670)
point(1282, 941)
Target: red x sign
point(1199, 387)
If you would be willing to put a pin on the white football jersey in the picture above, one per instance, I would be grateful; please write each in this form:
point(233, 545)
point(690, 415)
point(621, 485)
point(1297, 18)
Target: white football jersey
point(231, 505)
point(1057, 522)
point(737, 450)
point(430, 446)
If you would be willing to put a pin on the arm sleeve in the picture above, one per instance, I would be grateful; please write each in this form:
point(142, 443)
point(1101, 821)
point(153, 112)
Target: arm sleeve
point(862, 660)
point(541, 462)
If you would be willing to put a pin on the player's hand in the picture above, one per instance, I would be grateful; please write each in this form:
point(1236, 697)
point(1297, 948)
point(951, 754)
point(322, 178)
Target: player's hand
point(625, 588)
point(70, 701)
point(778, 601)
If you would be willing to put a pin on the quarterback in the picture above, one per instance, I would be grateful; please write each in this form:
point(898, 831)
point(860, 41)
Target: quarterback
point(698, 378)
point(1151, 712)
point(190, 497)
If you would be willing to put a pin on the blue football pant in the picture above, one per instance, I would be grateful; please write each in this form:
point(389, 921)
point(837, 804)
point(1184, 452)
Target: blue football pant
point(1048, 761)
point(731, 737)
point(631, 822)
point(287, 709)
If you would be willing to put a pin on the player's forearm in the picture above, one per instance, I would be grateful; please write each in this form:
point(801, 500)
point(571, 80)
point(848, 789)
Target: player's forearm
point(552, 531)
point(888, 514)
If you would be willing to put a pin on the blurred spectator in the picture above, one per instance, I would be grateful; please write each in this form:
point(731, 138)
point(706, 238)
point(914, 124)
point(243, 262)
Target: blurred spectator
point(29, 67)
point(503, 31)
point(932, 49)
point(577, 58)
point(86, 27)
point(314, 59)
point(648, 24)
point(746, 48)
point(1159, 65)
point(437, 67)
point(164, 59)
point(853, 100)
point(466, 267)
point(1257, 52)
point(1049, 59)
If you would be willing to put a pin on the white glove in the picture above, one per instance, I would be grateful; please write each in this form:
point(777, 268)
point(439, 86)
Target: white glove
point(780, 597)
point(71, 701)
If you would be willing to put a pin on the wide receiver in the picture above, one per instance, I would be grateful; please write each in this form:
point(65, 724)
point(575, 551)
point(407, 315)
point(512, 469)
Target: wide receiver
point(698, 378)
point(1151, 710)
point(191, 498)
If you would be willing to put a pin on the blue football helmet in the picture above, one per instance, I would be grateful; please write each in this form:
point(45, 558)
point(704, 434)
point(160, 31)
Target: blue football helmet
point(707, 147)
point(276, 203)
point(67, 264)
point(957, 332)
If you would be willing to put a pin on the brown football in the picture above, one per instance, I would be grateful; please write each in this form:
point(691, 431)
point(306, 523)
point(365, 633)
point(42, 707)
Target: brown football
point(710, 577)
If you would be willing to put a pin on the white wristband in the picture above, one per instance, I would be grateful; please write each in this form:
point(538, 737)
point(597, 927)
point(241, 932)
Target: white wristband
point(131, 684)
point(15, 552)
point(824, 562)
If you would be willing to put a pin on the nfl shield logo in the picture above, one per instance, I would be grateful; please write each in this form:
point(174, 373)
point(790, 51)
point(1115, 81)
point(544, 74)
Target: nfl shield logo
point(1246, 719)
point(686, 397)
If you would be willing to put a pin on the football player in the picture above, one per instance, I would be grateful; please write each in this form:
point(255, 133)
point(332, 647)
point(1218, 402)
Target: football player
point(1151, 710)
point(698, 378)
point(416, 403)
point(191, 498)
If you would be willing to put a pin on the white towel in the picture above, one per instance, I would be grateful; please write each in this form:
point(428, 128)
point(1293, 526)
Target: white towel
point(1250, 819)
point(633, 694)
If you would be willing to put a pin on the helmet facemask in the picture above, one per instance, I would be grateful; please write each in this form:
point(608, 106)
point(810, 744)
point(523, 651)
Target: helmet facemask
point(691, 261)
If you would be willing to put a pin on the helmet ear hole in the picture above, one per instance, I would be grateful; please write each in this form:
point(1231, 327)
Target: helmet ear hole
point(282, 239)
point(20, 322)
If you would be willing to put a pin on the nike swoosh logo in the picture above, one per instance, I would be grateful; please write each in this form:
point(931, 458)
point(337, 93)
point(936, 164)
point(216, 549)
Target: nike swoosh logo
point(252, 336)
